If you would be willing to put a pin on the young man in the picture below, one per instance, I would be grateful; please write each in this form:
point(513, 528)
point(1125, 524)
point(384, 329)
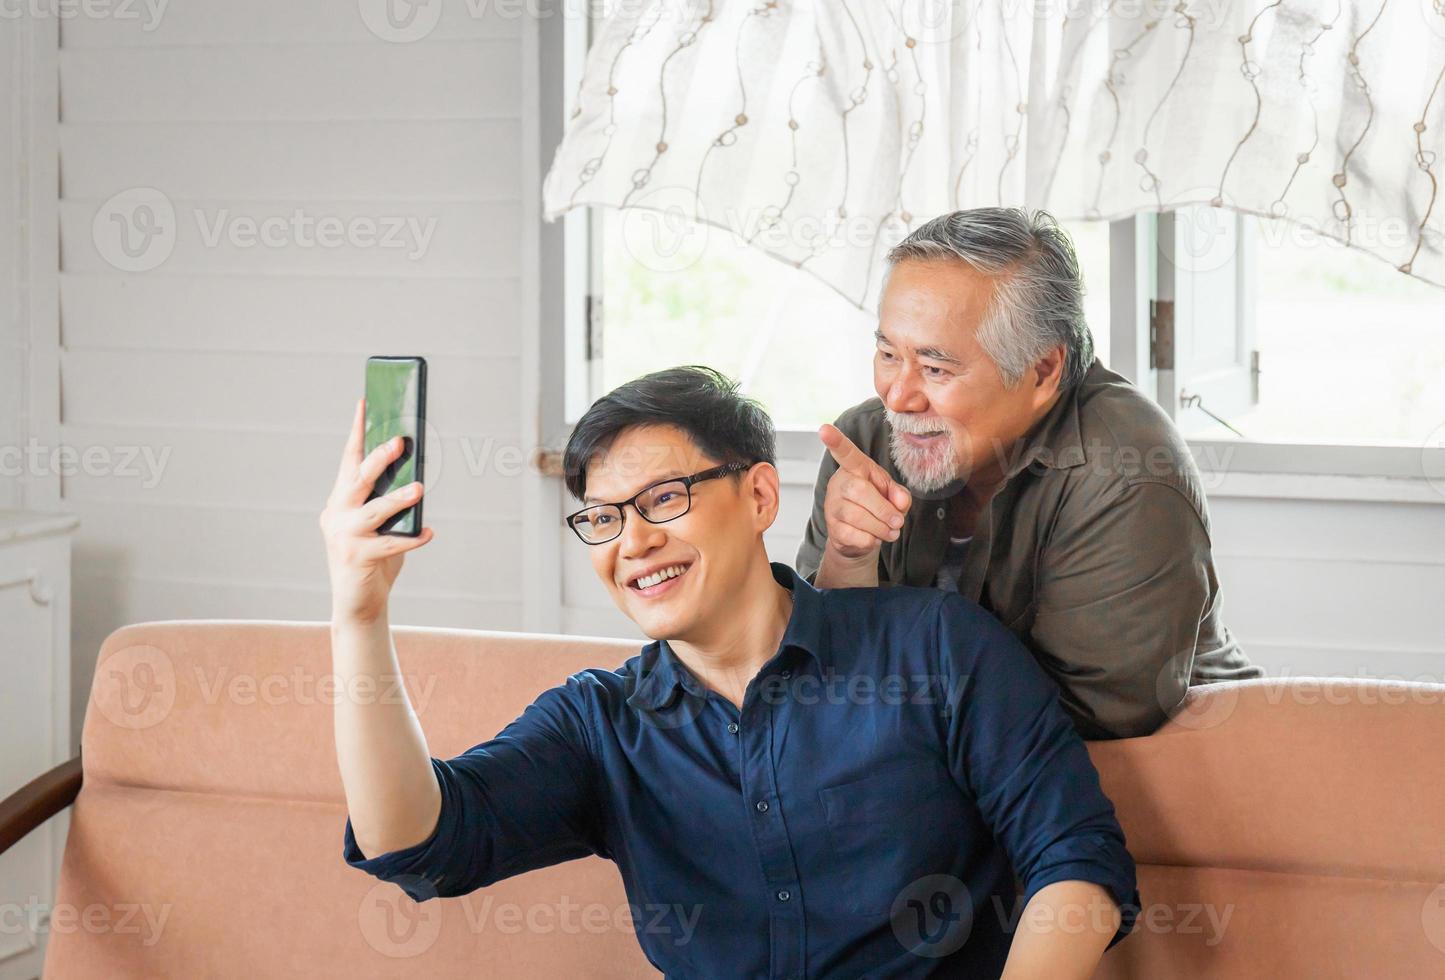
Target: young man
point(829, 784)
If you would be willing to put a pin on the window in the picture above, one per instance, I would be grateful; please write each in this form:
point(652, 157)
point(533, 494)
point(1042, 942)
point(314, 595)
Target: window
point(674, 292)
point(1351, 351)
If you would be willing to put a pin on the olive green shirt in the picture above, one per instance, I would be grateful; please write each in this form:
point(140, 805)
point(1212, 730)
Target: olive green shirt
point(1095, 552)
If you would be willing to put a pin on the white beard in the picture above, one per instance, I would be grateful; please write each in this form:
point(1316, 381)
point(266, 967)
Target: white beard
point(923, 470)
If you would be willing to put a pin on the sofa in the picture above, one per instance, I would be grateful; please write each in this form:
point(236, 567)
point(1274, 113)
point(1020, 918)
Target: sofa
point(1282, 829)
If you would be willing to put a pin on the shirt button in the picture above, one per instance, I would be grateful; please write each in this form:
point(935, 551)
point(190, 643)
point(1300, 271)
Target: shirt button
point(732, 728)
point(784, 895)
point(762, 806)
point(941, 513)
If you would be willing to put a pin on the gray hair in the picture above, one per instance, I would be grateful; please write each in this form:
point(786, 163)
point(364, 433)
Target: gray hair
point(1038, 302)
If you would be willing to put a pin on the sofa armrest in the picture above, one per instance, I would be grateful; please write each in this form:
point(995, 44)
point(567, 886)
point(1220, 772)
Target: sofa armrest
point(37, 801)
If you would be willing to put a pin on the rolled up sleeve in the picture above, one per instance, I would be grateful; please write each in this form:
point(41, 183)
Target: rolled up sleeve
point(1121, 598)
point(523, 800)
point(1013, 747)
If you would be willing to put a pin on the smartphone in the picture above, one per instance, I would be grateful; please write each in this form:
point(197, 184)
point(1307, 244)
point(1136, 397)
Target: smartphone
point(396, 406)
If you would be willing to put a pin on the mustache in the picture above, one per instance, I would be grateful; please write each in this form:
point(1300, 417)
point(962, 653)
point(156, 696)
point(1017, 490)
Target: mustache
point(914, 424)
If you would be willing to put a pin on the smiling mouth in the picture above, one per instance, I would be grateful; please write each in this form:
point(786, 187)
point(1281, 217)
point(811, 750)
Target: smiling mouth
point(660, 581)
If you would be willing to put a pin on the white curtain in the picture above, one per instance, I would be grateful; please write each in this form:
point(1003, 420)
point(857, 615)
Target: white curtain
point(822, 131)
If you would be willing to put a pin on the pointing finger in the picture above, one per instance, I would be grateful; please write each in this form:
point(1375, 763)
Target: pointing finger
point(849, 457)
point(844, 453)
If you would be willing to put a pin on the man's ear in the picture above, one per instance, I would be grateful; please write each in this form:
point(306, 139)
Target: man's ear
point(763, 486)
point(1047, 373)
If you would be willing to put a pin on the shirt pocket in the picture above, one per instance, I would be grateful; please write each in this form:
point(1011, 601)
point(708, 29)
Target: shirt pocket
point(886, 830)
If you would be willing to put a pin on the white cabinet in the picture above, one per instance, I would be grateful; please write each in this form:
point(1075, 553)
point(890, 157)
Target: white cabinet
point(34, 718)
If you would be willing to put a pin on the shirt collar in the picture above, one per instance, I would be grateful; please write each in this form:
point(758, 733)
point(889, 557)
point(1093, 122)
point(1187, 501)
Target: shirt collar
point(1057, 441)
point(662, 674)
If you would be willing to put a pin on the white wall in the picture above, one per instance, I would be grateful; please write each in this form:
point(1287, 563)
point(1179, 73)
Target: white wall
point(12, 326)
point(244, 363)
point(28, 246)
point(1310, 586)
point(1335, 587)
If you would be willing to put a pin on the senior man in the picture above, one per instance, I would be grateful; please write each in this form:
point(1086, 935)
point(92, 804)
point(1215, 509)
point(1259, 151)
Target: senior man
point(1002, 460)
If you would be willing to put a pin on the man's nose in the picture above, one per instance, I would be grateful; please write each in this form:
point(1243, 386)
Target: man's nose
point(639, 536)
point(905, 394)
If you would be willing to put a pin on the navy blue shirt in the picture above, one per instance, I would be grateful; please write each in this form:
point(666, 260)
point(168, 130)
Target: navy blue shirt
point(896, 766)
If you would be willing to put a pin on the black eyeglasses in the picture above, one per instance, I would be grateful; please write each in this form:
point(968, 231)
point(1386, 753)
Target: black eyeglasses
point(664, 501)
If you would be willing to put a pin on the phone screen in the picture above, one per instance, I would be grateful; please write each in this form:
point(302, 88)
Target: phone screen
point(396, 406)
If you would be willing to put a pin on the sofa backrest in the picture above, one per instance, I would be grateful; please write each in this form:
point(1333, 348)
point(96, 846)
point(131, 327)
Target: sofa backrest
point(1286, 829)
point(208, 829)
point(1280, 829)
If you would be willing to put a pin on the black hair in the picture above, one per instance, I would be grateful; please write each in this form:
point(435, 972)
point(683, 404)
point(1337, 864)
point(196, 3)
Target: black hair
point(726, 425)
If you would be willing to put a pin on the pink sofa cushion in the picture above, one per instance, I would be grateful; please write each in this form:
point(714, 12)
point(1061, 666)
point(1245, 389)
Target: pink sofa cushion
point(208, 830)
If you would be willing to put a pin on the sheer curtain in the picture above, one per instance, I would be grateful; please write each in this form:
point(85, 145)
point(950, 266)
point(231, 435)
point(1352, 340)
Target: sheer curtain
point(823, 131)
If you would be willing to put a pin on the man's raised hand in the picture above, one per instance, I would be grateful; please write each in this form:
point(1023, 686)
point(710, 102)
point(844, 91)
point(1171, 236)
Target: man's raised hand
point(362, 563)
point(864, 506)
